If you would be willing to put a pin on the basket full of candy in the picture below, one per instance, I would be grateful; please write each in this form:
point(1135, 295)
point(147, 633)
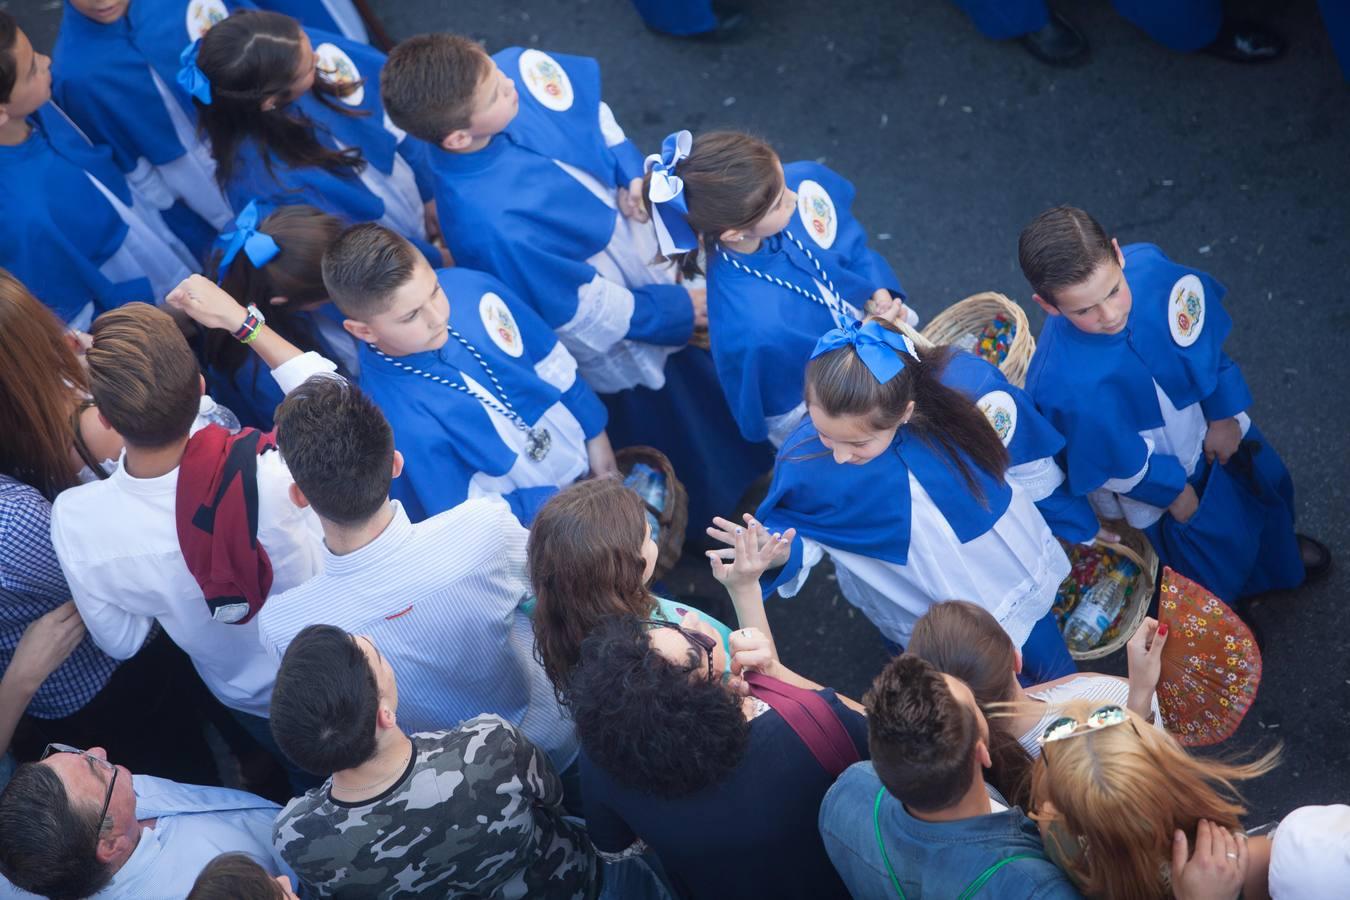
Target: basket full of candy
point(649, 473)
point(992, 327)
point(1107, 593)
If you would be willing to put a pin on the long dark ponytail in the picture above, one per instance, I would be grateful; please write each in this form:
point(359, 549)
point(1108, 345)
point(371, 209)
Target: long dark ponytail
point(249, 57)
point(841, 385)
point(731, 180)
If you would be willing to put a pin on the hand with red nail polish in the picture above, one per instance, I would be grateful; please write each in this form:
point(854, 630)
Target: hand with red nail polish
point(1144, 656)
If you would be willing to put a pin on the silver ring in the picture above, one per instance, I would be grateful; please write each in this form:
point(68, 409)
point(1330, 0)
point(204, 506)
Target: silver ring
point(1231, 855)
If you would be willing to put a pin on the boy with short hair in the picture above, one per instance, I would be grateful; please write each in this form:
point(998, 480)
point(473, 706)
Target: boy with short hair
point(195, 527)
point(1131, 370)
point(919, 814)
point(473, 809)
point(441, 597)
point(482, 397)
point(541, 188)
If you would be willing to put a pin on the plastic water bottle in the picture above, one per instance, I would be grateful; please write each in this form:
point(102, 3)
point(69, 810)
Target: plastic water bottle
point(1098, 608)
point(650, 485)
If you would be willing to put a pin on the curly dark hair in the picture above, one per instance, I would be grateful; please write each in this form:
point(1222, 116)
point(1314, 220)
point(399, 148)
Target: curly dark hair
point(921, 737)
point(653, 725)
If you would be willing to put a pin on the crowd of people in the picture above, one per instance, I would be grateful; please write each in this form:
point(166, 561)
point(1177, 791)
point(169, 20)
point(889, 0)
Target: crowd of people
point(313, 363)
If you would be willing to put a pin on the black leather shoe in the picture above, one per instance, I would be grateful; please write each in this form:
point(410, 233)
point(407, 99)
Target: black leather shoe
point(1246, 42)
point(1059, 43)
point(1316, 558)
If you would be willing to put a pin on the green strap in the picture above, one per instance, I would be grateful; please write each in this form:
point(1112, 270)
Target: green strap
point(975, 885)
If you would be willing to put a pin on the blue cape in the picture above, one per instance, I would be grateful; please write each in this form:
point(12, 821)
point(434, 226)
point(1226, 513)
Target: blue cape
point(311, 12)
point(762, 335)
point(58, 228)
point(101, 77)
point(510, 210)
point(865, 509)
point(1098, 390)
point(445, 435)
point(340, 195)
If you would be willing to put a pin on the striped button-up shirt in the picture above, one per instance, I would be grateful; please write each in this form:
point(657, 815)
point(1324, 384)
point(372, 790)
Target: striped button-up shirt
point(31, 585)
point(441, 599)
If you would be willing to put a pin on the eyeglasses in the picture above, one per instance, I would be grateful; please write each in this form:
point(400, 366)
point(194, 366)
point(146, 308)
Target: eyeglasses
point(97, 762)
point(1066, 727)
point(697, 638)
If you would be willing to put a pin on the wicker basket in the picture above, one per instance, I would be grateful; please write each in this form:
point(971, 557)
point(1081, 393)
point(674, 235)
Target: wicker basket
point(675, 517)
point(969, 316)
point(1135, 547)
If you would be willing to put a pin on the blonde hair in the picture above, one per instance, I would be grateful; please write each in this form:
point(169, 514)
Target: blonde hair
point(1122, 792)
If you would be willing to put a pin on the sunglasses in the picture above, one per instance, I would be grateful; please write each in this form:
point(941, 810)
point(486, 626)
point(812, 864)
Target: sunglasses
point(97, 762)
point(1066, 727)
point(696, 638)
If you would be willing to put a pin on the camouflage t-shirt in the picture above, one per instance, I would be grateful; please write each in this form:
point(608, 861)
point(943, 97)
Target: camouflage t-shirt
point(478, 814)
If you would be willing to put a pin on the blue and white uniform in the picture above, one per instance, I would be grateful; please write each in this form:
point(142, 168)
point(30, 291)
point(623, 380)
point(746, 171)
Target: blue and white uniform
point(336, 16)
point(498, 409)
point(905, 531)
point(76, 234)
point(537, 207)
point(391, 189)
point(1134, 408)
point(767, 309)
point(118, 82)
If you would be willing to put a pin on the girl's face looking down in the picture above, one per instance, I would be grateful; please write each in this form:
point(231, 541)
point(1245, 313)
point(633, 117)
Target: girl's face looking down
point(772, 222)
point(307, 68)
point(853, 439)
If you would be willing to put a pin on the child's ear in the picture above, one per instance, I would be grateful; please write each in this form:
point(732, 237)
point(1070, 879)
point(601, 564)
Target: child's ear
point(4, 113)
point(359, 330)
point(278, 300)
point(398, 464)
point(1120, 257)
point(201, 385)
point(732, 236)
point(1050, 308)
point(456, 140)
point(297, 496)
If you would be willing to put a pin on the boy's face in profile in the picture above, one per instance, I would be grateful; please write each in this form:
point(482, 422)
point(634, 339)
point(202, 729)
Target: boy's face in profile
point(1099, 305)
point(495, 102)
point(415, 319)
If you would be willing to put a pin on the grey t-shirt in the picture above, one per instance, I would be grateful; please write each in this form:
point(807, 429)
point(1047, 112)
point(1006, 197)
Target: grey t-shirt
point(478, 812)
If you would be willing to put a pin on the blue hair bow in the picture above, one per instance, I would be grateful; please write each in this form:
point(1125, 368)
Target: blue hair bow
point(193, 79)
point(260, 248)
point(666, 192)
point(876, 347)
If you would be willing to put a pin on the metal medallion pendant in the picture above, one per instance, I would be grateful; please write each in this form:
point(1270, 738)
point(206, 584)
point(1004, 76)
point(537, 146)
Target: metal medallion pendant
point(537, 443)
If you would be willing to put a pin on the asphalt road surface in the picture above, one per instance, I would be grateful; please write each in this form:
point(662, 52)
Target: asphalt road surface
point(954, 142)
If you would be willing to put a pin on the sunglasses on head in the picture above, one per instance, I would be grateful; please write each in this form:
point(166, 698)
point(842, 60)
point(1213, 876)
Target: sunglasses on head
point(1066, 727)
point(697, 638)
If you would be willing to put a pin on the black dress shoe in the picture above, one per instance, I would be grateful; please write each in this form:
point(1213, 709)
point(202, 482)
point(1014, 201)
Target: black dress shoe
point(1316, 558)
point(1246, 42)
point(1059, 43)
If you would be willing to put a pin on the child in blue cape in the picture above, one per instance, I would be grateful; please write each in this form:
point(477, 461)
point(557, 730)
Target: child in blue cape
point(540, 187)
point(1131, 369)
point(294, 116)
point(76, 234)
point(786, 262)
point(919, 496)
point(482, 398)
point(115, 73)
point(276, 264)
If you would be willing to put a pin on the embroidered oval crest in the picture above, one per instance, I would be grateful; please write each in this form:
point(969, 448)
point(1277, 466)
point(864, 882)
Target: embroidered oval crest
point(546, 80)
point(337, 68)
point(500, 325)
point(201, 15)
point(817, 213)
point(1186, 310)
point(1001, 411)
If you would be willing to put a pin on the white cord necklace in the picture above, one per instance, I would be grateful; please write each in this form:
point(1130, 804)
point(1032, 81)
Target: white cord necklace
point(835, 305)
point(537, 439)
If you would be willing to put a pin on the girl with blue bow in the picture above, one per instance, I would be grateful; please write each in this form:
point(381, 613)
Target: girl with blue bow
point(898, 475)
point(274, 264)
point(785, 258)
point(294, 116)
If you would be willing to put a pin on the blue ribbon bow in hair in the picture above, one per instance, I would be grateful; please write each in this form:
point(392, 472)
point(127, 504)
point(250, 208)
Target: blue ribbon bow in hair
point(666, 193)
point(260, 248)
point(193, 79)
point(876, 347)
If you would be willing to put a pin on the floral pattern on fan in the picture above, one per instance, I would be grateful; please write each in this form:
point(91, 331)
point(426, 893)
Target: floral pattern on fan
point(1211, 665)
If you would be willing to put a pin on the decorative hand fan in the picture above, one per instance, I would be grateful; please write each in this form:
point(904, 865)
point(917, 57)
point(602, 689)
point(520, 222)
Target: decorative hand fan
point(1211, 666)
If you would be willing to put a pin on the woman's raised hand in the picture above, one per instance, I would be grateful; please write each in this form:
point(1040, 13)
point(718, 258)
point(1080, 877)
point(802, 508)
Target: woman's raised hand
point(203, 301)
point(754, 551)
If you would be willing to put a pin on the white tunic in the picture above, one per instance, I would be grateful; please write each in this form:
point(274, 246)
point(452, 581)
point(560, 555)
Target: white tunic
point(1013, 570)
